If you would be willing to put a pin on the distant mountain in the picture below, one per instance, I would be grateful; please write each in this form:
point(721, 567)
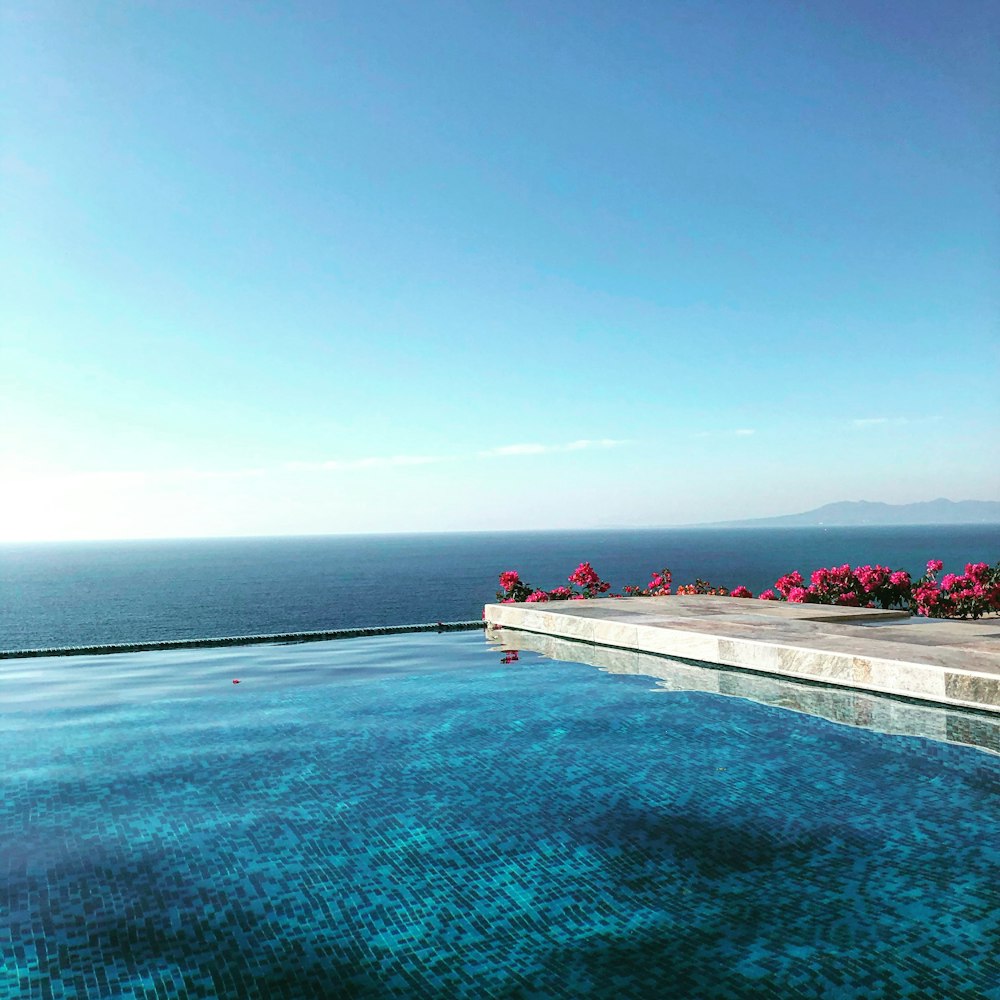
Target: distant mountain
point(851, 513)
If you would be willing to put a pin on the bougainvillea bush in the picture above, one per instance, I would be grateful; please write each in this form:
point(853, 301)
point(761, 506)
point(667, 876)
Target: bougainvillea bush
point(586, 584)
point(862, 587)
point(972, 594)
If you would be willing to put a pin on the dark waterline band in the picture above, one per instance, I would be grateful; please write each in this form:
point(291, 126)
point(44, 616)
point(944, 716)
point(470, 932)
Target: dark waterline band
point(241, 640)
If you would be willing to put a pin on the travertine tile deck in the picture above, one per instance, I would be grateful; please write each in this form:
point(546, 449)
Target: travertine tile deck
point(946, 662)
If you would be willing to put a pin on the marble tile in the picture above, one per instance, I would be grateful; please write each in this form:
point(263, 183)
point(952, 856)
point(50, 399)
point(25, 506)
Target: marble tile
point(976, 690)
point(611, 633)
point(678, 642)
point(570, 626)
point(817, 665)
point(910, 679)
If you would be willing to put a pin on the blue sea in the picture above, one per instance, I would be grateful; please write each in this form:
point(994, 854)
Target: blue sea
point(85, 593)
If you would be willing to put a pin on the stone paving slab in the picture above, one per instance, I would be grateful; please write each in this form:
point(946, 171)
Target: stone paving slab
point(946, 662)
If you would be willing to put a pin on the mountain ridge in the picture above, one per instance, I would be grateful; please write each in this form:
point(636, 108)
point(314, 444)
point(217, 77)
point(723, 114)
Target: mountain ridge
point(858, 513)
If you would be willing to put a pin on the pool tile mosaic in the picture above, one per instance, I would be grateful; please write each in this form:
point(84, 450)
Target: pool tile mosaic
point(410, 817)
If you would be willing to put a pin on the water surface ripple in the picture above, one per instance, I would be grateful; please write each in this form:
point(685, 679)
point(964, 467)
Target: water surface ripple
point(409, 817)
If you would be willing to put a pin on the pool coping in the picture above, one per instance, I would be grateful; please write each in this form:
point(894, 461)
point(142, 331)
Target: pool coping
point(212, 642)
point(944, 662)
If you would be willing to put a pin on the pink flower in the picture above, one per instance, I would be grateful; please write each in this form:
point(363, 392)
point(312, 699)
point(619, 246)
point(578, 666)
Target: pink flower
point(788, 581)
point(871, 577)
point(740, 591)
point(935, 566)
point(927, 598)
point(509, 580)
point(797, 595)
point(537, 597)
point(767, 595)
point(584, 575)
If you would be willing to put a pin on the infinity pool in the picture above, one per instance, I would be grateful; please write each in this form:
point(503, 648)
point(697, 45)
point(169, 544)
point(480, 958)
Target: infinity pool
point(411, 817)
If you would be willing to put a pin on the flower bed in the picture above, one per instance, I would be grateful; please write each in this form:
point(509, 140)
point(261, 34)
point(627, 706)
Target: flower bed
point(972, 594)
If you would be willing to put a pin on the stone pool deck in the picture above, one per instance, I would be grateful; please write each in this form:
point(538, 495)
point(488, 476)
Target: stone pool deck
point(953, 663)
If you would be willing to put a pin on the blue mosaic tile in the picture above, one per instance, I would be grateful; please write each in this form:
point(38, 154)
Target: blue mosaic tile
point(409, 817)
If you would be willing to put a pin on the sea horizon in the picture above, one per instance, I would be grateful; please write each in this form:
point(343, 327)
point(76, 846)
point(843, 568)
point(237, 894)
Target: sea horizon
point(709, 526)
point(91, 592)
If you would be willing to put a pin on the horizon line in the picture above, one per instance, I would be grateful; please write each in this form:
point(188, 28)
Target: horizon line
point(704, 526)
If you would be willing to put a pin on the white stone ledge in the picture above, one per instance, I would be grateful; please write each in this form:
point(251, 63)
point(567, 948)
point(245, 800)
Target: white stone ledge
point(842, 704)
point(786, 641)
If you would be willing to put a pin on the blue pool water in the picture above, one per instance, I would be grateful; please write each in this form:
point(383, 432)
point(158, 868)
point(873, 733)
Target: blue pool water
point(410, 817)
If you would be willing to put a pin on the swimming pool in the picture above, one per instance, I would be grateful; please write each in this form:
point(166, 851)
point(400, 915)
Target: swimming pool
point(409, 816)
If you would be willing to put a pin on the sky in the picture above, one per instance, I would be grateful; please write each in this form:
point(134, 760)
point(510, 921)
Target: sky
point(376, 266)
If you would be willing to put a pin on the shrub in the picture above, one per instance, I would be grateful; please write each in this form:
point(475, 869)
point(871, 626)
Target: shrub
point(972, 594)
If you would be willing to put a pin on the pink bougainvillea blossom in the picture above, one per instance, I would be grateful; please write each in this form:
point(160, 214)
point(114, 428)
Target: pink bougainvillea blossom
point(789, 581)
point(584, 575)
point(970, 594)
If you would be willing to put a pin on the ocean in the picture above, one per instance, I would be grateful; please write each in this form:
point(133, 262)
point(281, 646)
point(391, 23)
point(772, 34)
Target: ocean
point(86, 593)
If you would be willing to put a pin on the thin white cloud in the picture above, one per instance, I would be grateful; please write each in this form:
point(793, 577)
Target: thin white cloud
point(124, 477)
point(534, 448)
point(599, 443)
point(737, 431)
point(516, 449)
point(136, 476)
point(863, 422)
point(369, 462)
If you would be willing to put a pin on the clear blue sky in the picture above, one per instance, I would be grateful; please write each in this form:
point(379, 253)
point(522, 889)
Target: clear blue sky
point(280, 268)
